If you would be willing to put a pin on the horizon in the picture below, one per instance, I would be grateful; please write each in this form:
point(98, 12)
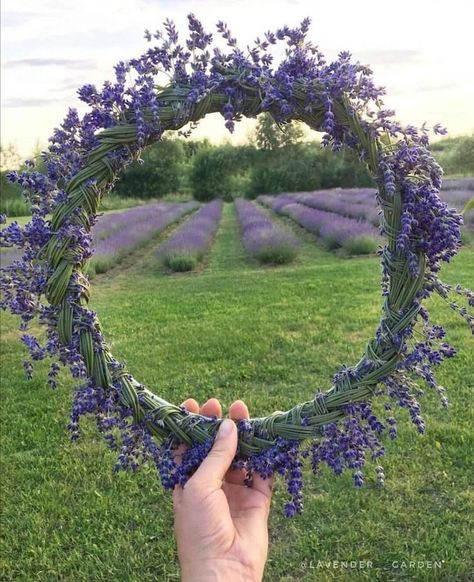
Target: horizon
point(43, 65)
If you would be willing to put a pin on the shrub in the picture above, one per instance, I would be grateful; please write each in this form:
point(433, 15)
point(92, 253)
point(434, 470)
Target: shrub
point(276, 253)
point(157, 175)
point(215, 170)
point(360, 245)
point(181, 260)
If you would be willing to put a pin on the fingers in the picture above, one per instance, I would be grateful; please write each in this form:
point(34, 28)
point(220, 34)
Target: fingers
point(265, 486)
point(212, 408)
point(191, 405)
point(214, 467)
point(238, 410)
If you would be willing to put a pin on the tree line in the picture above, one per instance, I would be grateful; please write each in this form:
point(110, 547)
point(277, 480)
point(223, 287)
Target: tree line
point(274, 160)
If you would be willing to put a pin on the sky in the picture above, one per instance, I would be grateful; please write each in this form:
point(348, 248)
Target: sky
point(420, 50)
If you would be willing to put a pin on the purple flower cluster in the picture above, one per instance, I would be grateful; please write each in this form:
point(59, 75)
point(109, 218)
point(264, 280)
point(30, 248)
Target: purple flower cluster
point(333, 229)
point(360, 206)
point(187, 247)
point(344, 445)
point(112, 222)
point(262, 238)
point(123, 232)
point(338, 98)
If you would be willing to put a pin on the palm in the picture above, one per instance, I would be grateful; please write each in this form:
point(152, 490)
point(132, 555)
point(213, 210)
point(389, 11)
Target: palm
point(233, 516)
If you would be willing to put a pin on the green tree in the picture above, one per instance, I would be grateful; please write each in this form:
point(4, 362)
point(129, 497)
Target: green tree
point(216, 170)
point(9, 157)
point(455, 155)
point(463, 156)
point(271, 136)
point(157, 174)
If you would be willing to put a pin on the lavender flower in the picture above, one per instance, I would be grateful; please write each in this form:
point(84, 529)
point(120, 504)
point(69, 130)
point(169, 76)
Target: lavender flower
point(334, 230)
point(262, 238)
point(360, 206)
point(187, 247)
point(133, 228)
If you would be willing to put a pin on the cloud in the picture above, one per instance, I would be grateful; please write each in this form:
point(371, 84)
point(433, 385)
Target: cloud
point(45, 62)
point(440, 87)
point(19, 102)
point(388, 56)
point(11, 19)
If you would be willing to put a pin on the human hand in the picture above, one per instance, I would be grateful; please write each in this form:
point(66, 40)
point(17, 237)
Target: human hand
point(221, 524)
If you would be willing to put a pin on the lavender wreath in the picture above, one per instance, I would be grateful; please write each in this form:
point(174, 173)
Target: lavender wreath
point(84, 159)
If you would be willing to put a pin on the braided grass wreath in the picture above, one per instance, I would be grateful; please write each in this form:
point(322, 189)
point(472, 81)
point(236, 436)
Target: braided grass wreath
point(167, 88)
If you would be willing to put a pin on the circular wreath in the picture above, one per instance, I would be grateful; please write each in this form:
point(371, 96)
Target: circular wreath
point(167, 88)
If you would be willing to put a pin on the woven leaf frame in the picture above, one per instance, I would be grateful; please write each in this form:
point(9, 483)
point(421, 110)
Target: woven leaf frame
point(161, 417)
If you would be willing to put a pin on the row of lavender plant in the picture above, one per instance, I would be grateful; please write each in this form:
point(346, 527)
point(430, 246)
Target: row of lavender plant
point(188, 246)
point(8, 256)
point(458, 184)
point(118, 233)
point(262, 238)
point(354, 236)
point(111, 250)
point(112, 222)
point(360, 202)
point(361, 207)
point(458, 198)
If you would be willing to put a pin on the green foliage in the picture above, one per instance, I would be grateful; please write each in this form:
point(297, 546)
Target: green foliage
point(157, 175)
point(455, 155)
point(270, 136)
point(181, 261)
point(191, 147)
point(275, 160)
point(362, 245)
point(13, 202)
point(284, 169)
point(214, 169)
point(302, 167)
point(277, 254)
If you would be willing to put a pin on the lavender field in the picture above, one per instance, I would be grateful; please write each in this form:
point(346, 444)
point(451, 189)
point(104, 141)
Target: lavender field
point(187, 247)
point(358, 203)
point(262, 238)
point(118, 234)
point(346, 219)
point(334, 230)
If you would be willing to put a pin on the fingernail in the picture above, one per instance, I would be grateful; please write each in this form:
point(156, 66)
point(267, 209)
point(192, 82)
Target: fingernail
point(225, 428)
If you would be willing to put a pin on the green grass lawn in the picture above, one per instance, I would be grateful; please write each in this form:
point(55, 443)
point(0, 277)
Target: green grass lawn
point(271, 336)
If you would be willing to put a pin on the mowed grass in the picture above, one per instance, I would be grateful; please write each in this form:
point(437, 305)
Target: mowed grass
point(271, 336)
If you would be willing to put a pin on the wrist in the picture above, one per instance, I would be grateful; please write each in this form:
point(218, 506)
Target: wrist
point(219, 571)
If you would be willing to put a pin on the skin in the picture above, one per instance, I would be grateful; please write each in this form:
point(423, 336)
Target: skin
point(221, 526)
